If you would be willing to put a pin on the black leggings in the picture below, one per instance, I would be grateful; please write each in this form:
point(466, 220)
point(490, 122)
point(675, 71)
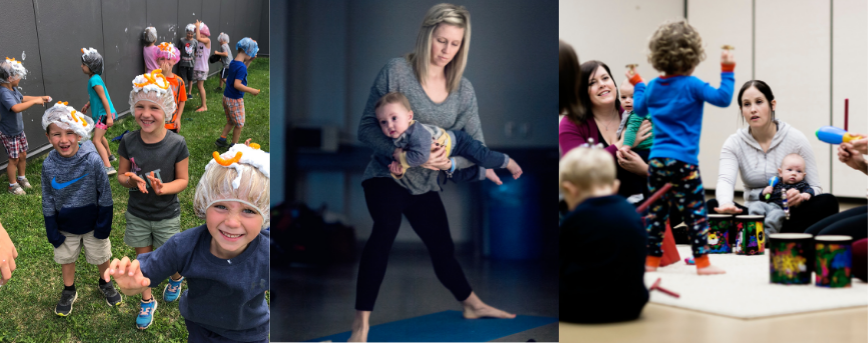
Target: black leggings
point(386, 202)
point(802, 216)
point(852, 222)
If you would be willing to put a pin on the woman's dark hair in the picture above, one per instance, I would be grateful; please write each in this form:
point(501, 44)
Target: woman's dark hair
point(568, 73)
point(588, 69)
point(763, 88)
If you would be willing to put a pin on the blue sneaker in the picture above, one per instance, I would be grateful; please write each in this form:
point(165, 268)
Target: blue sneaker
point(172, 290)
point(146, 315)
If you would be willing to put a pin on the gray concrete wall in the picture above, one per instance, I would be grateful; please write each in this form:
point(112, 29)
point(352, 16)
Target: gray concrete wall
point(51, 34)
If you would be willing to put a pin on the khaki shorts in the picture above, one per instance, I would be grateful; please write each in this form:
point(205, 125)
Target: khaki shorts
point(96, 251)
point(143, 233)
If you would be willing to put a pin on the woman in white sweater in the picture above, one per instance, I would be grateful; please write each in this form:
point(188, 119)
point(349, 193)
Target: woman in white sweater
point(756, 153)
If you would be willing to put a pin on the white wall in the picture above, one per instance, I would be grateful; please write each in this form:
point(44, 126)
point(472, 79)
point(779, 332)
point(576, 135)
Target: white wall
point(811, 54)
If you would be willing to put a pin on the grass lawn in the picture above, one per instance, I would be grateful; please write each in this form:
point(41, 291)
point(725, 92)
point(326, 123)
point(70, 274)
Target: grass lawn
point(27, 301)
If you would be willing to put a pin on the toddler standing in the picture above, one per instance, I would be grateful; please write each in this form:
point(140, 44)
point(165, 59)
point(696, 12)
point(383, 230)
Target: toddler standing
point(11, 123)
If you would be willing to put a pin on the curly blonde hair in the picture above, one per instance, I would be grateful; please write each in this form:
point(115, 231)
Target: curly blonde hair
point(676, 47)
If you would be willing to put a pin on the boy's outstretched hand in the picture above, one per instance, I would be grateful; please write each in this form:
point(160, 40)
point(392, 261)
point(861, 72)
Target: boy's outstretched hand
point(127, 275)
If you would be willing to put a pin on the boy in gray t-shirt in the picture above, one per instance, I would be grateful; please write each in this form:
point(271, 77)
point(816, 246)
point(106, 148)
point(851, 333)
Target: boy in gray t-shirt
point(226, 58)
point(188, 47)
point(415, 140)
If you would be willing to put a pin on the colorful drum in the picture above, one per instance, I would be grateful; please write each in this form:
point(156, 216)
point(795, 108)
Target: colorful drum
point(749, 235)
point(719, 226)
point(834, 261)
point(789, 256)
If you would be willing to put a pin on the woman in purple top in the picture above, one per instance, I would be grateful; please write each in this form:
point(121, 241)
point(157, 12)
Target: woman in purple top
point(200, 64)
point(599, 119)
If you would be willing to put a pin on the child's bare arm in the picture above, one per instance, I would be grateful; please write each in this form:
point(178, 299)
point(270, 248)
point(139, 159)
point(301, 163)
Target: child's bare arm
point(44, 97)
point(239, 86)
point(221, 53)
point(128, 276)
point(18, 108)
point(182, 178)
point(200, 38)
point(105, 105)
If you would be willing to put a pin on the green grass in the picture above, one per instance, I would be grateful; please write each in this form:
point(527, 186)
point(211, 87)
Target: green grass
point(27, 301)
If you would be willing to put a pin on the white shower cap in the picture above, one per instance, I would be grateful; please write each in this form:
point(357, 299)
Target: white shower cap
point(155, 88)
point(11, 69)
point(92, 59)
point(223, 38)
point(240, 174)
point(67, 118)
point(150, 34)
point(190, 28)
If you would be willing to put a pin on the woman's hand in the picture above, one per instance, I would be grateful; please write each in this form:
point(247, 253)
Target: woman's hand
point(794, 197)
point(728, 209)
point(631, 161)
point(860, 145)
point(852, 158)
point(643, 133)
point(438, 160)
point(8, 254)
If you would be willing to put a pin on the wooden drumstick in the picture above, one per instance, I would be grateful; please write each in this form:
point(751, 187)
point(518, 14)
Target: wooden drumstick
point(728, 47)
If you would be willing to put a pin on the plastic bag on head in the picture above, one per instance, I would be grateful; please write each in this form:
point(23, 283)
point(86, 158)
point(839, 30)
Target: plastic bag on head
point(203, 29)
point(154, 88)
point(168, 51)
point(11, 69)
point(242, 173)
point(92, 59)
point(223, 38)
point(66, 118)
point(248, 45)
point(150, 34)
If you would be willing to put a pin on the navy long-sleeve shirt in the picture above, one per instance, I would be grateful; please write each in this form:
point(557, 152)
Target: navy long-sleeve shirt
point(76, 195)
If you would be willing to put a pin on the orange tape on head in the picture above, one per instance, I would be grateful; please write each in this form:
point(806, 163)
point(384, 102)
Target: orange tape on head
point(224, 162)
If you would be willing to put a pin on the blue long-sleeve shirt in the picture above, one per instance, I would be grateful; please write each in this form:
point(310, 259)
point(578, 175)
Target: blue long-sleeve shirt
point(76, 195)
point(675, 104)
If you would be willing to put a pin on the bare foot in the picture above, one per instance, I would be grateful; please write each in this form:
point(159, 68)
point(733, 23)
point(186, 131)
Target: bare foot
point(360, 327)
point(474, 308)
point(710, 270)
point(650, 269)
point(201, 109)
point(513, 168)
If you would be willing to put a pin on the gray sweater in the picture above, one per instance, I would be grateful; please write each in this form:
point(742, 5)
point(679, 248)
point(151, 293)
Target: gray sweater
point(742, 154)
point(457, 112)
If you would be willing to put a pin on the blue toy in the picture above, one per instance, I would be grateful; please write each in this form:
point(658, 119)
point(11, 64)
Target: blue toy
point(834, 135)
point(773, 181)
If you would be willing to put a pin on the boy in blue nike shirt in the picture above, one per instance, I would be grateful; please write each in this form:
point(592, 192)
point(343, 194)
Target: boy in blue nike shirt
point(675, 102)
point(76, 201)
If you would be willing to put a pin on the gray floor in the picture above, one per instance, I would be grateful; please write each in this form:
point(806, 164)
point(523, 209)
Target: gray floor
point(308, 302)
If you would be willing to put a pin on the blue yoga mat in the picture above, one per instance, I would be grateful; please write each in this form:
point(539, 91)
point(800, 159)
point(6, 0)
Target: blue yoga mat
point(446, 326)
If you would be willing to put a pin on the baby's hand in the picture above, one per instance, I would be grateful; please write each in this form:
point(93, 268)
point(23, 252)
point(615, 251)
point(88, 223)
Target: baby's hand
point(726, 57)
point(156, 184)
point(806, 196)
point(395, 168)
point(127, 275)
point(768, 190)
point(396, 155)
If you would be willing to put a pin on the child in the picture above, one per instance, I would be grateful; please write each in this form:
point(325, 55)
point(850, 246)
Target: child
point(601, 234)
point(11, 123)
point(634, 121)
point(226, 259)
point(236, 85)
point(167, 56)
point(414, 140)
point(103, 113)
point(189, 46)
point(76, 202)
point(224, 51)
point(150, 50)
point(792, 176)
point(200, 65)
point(675, 102)
point(159, 156)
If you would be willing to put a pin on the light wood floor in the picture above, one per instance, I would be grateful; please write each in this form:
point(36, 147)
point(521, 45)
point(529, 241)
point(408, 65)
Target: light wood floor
point(665, 324)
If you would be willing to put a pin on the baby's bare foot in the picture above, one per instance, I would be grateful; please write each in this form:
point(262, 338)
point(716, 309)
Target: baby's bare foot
point(485, 311)
point(650, 269)
point(513, 168)
point(710, 270)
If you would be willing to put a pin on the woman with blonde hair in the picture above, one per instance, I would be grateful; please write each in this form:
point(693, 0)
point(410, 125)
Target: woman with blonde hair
point(431, 79)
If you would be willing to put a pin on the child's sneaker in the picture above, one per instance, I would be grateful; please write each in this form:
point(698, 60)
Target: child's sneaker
point(146, 315)
point(219, 89)
point(16, 189)
point(112, 297)
point(24, 183)
point(64, 306)
point(172, 290)
point(112, 158)
point(110, 170)
point(221, 142)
